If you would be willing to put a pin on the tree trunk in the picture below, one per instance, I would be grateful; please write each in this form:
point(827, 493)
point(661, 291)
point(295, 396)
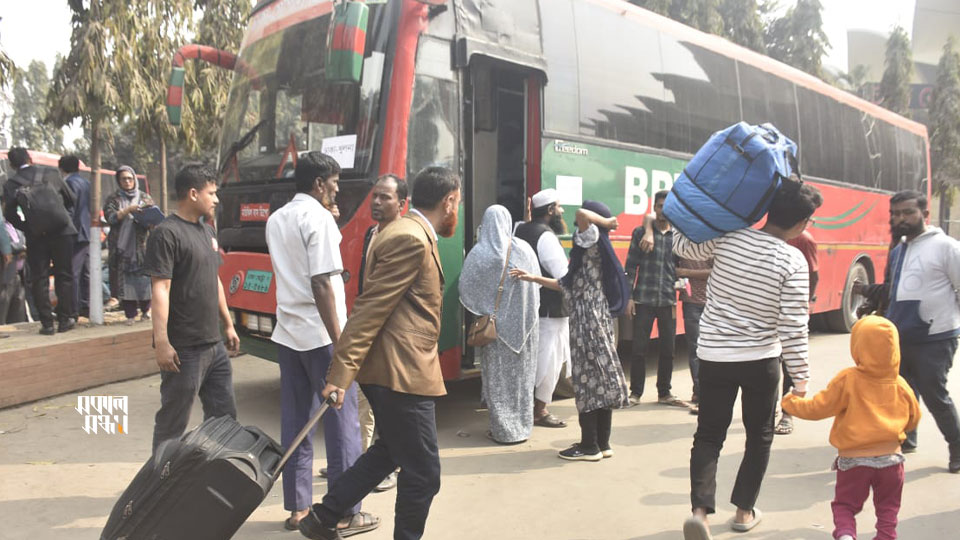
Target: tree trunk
point(163, 174)
point(96, 260)
point(945, 210)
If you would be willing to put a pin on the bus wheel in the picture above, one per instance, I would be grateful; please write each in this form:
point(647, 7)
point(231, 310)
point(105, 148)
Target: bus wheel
point(842, 320)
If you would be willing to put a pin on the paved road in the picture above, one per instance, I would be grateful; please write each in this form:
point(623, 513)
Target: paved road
point(60, 483)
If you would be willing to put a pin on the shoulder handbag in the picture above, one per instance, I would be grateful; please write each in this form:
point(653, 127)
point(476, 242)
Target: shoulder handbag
point(483, 331)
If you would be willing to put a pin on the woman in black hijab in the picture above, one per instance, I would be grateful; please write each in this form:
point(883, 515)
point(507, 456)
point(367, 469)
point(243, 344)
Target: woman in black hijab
point(595, 289)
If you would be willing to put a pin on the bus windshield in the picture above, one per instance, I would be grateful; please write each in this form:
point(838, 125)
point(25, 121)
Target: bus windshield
point(281, 103)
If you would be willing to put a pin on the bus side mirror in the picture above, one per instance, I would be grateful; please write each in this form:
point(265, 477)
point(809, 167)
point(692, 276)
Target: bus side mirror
point(347, 42)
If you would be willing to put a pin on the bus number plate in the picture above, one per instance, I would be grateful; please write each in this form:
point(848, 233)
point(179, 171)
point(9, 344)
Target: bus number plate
point(257, 281)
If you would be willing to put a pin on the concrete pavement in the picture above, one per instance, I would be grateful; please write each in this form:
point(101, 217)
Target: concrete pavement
point(60, 483)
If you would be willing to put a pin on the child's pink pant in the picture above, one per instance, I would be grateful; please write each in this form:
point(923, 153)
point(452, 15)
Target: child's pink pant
point(854, 485)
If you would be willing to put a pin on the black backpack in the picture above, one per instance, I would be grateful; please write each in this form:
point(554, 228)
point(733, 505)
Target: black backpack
point(41, 204)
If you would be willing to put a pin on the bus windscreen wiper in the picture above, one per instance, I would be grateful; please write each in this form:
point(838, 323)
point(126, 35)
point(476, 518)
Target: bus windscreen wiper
point(239, 145)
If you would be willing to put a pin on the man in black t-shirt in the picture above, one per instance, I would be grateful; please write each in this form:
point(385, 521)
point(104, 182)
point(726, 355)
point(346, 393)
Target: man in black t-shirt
point(183, 260)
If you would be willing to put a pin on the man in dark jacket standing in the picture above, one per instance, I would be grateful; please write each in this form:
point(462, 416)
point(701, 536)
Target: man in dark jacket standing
point(70, 168)
point(55, 246)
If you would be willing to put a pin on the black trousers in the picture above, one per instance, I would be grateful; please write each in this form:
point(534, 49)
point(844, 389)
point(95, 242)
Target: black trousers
point(595, 428)
point(407, 428)
point(41, 251)
point(757, 381)
point(667, 332)
point(925, 366)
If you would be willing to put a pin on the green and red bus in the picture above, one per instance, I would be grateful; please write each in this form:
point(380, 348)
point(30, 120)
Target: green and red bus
point(597, 98)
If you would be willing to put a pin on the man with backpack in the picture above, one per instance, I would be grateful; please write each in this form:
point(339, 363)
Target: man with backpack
point(45, 202)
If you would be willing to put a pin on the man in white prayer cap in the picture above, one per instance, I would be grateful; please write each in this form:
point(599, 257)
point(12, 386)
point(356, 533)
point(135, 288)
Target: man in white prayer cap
point(541, 233)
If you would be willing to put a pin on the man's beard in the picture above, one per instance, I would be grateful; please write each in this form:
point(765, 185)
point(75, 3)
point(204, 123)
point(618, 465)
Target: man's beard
point(557, 224)
point(906, 229)
point(449, 225)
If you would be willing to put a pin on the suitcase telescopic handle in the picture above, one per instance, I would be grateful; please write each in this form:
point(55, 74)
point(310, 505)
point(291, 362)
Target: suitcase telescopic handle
point(331, 400)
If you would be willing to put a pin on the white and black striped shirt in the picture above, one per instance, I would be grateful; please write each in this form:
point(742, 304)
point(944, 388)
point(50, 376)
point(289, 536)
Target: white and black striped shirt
point(757, 300)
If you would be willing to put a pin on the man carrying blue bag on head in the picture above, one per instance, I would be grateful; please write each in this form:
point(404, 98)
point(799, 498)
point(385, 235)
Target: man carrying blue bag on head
point(757, 300)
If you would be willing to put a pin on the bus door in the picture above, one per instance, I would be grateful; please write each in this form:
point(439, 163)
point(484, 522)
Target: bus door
point(498, 135)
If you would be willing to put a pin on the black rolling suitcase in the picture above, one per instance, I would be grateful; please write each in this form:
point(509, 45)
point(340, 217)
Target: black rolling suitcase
point(202, 486)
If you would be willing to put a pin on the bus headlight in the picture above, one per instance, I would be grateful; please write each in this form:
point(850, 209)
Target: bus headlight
point(266, 324)
point(252, 322)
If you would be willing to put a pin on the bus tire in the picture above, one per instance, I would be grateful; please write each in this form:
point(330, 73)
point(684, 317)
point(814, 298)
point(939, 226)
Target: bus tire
point(843, 319)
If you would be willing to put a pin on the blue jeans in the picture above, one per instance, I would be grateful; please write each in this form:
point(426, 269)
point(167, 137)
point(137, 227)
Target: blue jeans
point(303, 375)
point(205, 371)
point(691, 325)
point(925, 367)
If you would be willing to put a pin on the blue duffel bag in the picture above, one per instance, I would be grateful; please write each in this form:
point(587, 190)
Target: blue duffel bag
point(729, 183)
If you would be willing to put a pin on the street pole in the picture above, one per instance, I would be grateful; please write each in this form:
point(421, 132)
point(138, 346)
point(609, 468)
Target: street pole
point(96, 260)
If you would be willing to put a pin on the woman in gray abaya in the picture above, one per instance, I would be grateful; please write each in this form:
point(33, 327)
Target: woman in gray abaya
point(508, 365)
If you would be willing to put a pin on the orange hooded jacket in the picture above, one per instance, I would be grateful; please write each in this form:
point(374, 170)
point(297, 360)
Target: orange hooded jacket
point(874, 406)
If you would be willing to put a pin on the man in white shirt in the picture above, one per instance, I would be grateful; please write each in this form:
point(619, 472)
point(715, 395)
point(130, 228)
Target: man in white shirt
point(541, 233)
point(304, 244)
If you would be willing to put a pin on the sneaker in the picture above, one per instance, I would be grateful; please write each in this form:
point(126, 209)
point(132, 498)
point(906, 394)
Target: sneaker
point(634, 399)
point(695, 398)
point(145, 316)
point(48, 330)
point(576, 453)
point(67, 325)
point(908, 449)
point(130, 321)
point(671, 400)
point(607, 453)
point(387, 484)
point(954, 465)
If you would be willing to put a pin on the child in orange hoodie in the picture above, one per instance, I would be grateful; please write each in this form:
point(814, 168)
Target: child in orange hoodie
point(874, 407)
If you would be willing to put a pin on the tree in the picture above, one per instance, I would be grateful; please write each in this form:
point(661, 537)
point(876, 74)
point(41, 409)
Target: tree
point(945, 129)
point(86, 86)
point(154, 32)
point(852, 81)
point(701, 14)
point(898, 67)
point(7, 68)
point(27, 128)
point(207, 86)
point(798, 38)
point(742, 23)
point(657, 6)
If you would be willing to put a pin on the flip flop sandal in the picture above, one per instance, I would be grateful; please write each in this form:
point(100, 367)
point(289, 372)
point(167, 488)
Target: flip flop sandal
point(550, 421)
point(785, 427)
point(695, 529)
point(367, 522)
point(744, 527)
point(289, 525)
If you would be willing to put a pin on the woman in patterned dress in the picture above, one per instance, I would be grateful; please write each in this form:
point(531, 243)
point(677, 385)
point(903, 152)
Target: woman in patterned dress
point(596, 291)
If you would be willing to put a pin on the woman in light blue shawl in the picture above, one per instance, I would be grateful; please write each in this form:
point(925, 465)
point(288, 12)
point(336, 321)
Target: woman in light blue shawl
point(508, 365)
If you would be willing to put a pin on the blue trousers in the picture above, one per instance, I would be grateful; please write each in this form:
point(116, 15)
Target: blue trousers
point(303, 374)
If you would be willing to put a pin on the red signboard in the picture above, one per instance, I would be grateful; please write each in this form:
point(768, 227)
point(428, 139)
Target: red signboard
point(254, 212)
